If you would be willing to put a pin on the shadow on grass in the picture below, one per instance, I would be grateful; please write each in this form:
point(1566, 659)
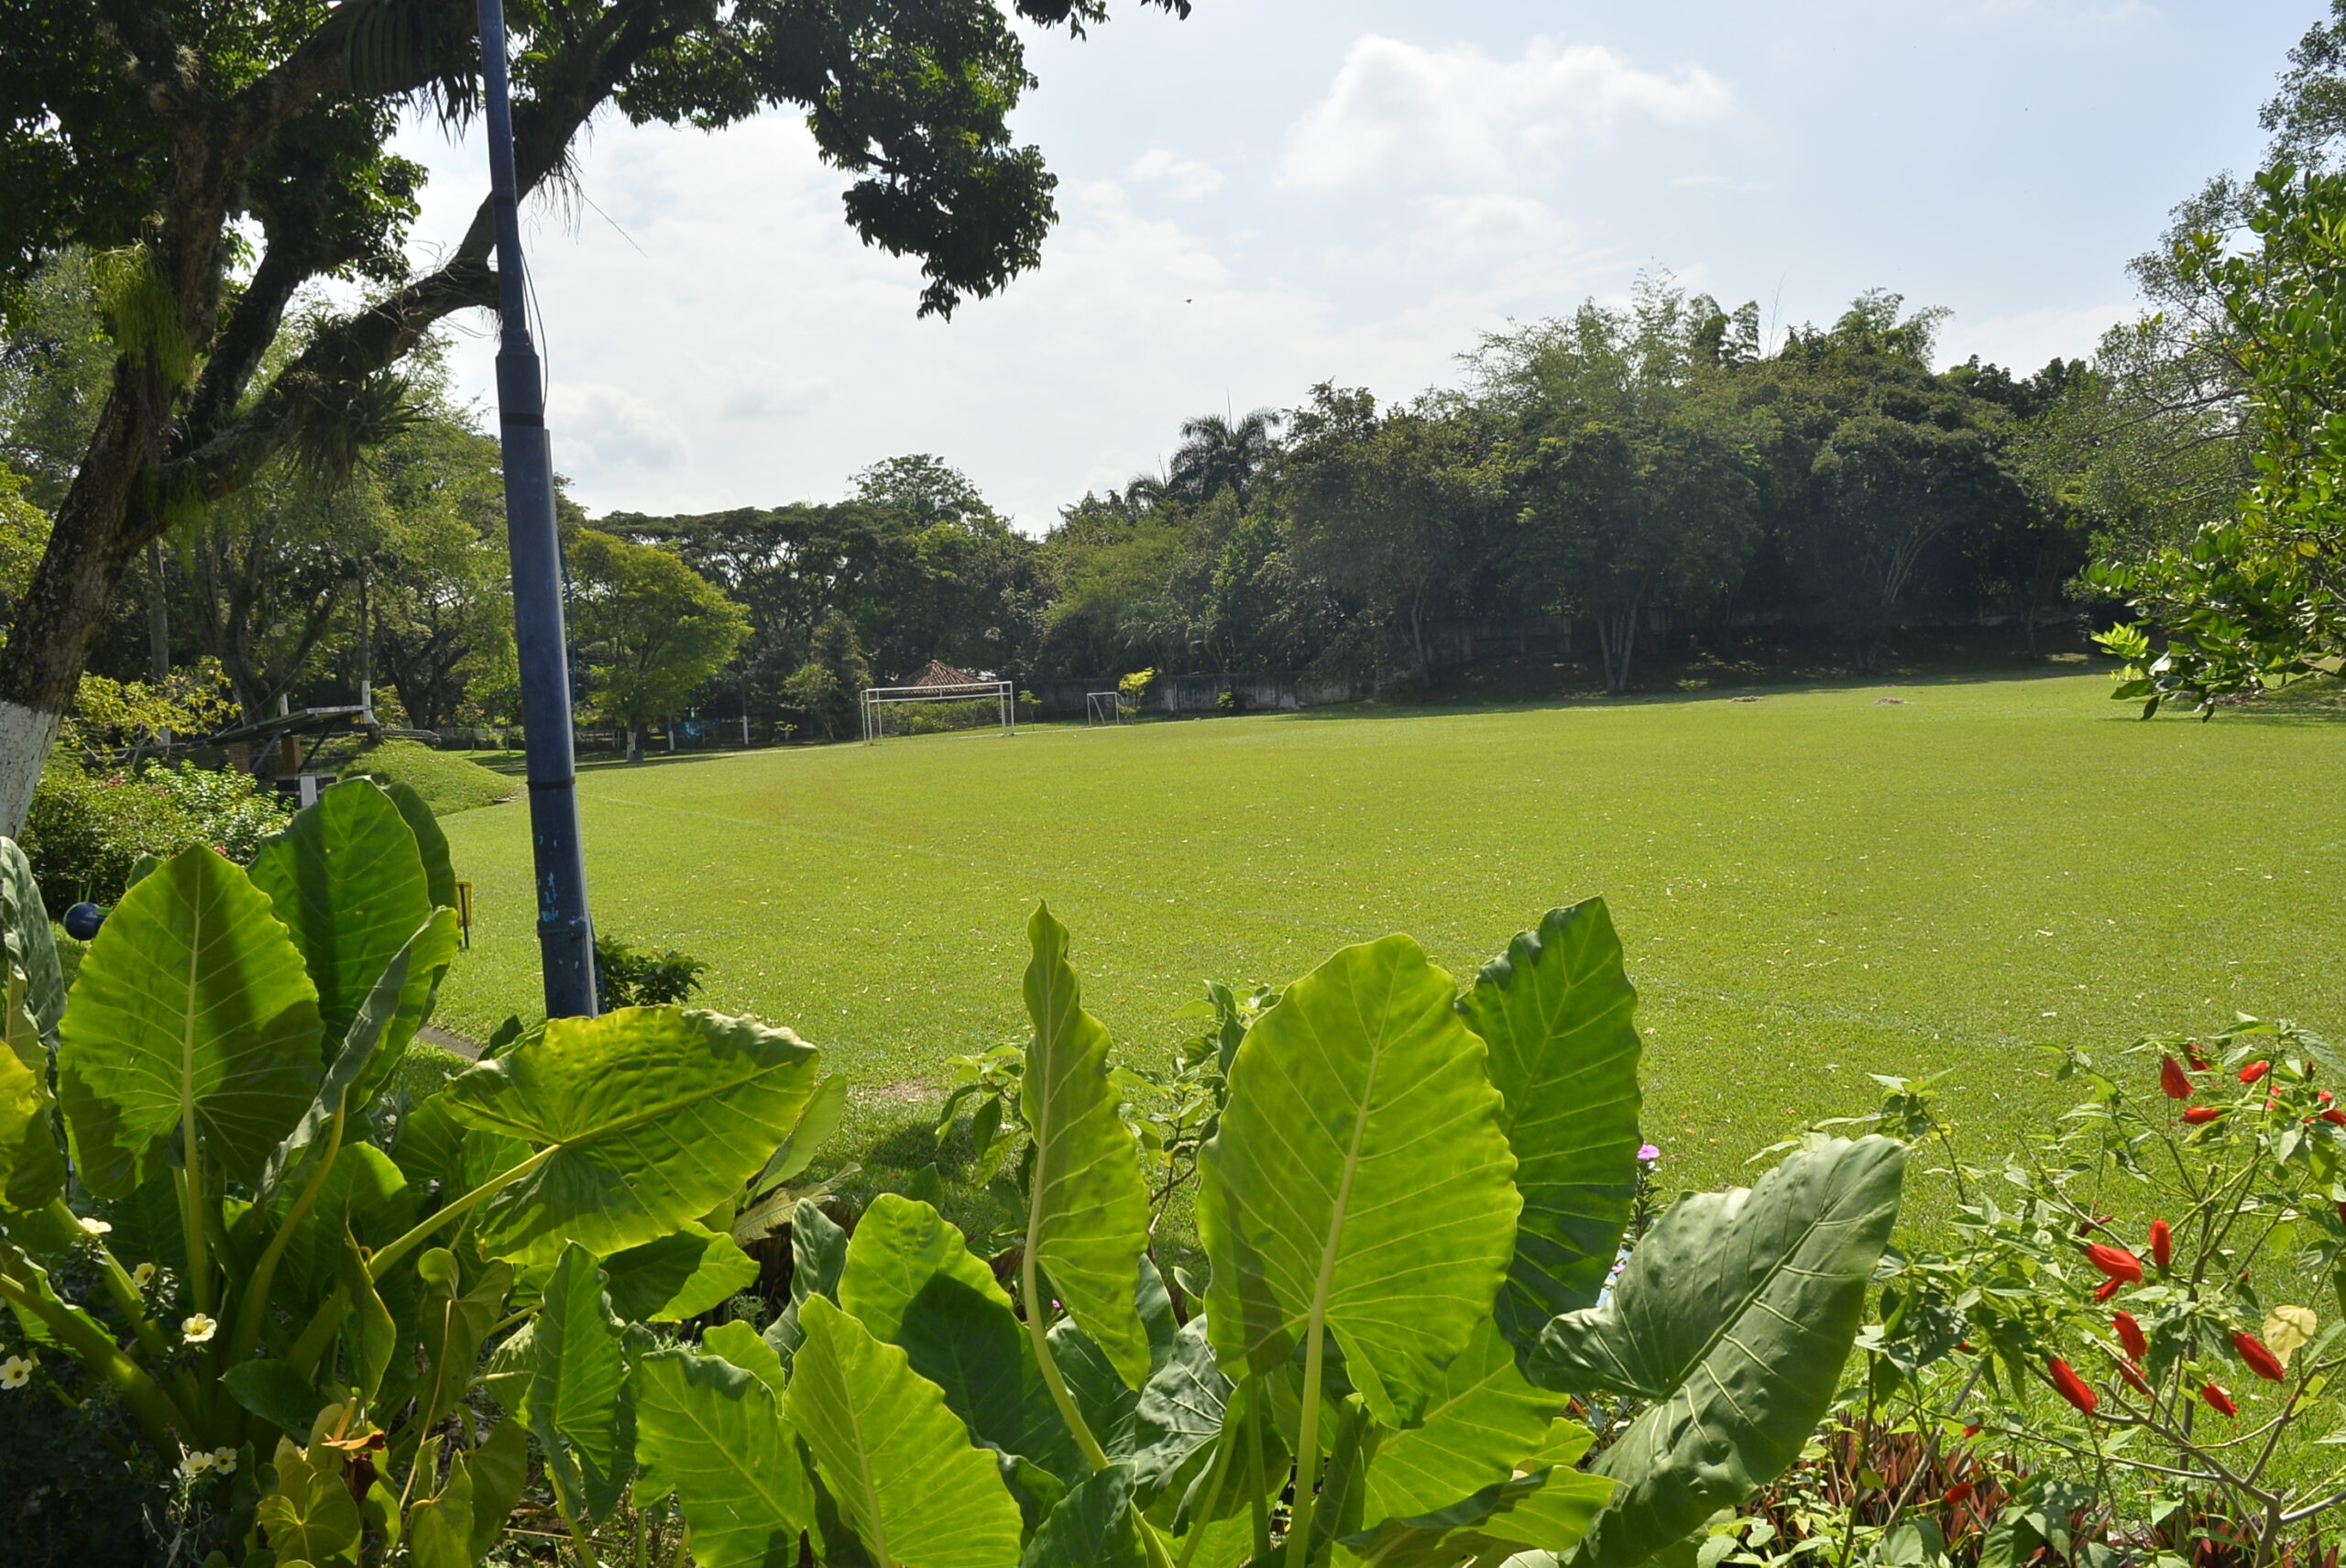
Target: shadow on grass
point(906, 1156)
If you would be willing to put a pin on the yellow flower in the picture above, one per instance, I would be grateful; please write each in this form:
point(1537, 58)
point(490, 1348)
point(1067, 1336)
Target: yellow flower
point(198, 1329)
point(15, 1372)
point(94, 1227)
point(224, 1460)
point(143, 1276)
point(195, 1463)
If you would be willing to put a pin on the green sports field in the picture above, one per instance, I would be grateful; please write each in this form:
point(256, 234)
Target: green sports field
point(1813, 886)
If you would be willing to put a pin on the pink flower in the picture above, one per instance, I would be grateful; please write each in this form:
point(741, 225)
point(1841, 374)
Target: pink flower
point(1647, 1154)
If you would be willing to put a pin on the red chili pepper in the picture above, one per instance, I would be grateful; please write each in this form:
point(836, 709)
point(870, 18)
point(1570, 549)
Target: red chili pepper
point(2134, 1380)
point(1959, 1493)
point(2261, 1361)
point(2255, 1070)
point(2072, 1386)
point(2200, 1115)
point(2130, 1334)
point(2162, 1244)
point(1971, 1431)
point(2116, 1262)
point(2217, 1400)
point(2172, 1080)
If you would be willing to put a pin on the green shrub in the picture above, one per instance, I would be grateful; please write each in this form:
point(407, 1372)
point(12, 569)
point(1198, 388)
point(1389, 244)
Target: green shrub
point(447, 782)
point(627, 976)
point(86, 831)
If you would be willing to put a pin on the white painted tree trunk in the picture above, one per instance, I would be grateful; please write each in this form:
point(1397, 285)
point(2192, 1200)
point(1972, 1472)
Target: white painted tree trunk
point(26, 736)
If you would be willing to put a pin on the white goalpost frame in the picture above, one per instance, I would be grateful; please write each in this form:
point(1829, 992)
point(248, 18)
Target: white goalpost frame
point(1102, 707)
point(878, 699)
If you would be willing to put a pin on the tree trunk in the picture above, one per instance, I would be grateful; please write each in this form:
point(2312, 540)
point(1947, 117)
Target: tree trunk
point(90, 547)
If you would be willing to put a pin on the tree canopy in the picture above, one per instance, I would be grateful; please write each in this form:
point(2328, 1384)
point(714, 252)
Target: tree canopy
point(214, 162)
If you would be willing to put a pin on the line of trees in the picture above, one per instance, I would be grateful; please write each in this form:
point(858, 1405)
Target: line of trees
point(1609, 476)
point(1660, 468)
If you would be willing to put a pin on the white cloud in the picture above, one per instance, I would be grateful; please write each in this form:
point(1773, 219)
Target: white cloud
point(1490, 224)
point(1399, 110)
point(726, 341)
point(605, 427)
point(2024, 340)
point(1182, 179)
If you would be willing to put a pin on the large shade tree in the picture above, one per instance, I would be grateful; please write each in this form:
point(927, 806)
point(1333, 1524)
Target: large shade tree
point(650, 627)
point(217, 158)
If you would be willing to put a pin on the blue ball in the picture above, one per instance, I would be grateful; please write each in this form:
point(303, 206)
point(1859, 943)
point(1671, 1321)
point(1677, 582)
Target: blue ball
point(82, 921)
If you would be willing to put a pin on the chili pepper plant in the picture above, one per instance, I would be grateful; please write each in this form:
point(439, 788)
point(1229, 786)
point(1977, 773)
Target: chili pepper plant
point(2145, 1301)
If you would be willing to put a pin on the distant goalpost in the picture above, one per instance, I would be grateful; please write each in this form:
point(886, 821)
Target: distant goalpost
point(1102, 707)
point(877, 700)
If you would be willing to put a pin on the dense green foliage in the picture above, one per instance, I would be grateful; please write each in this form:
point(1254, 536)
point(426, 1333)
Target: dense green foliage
point(1619, 476)
point(2254, 598)
point(88, 830)
point(356, 1304)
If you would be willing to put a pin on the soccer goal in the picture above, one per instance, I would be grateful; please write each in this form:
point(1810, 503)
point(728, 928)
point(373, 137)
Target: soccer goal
point(1102, 707)
point(999, 697)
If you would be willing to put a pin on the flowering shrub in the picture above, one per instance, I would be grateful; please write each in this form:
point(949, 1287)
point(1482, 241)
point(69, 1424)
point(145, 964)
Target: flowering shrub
point(85, 831)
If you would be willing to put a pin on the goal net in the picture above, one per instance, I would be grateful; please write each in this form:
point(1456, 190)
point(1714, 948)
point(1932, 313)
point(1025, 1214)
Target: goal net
point(940, 705)
point(1103, 707)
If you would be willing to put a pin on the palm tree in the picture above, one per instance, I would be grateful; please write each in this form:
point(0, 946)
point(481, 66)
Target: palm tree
point(1215, 454)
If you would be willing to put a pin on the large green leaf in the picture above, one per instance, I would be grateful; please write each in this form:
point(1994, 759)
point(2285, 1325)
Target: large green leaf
point(363, 1046)
point(1110, 1409)
point(677, 1277)
point(911, 1279)
point(907, 1480)
point(431, 843)
point(24, 926)
point(1181, 1410)
point(1543, 1508)
point(451, 1324)
point(310, 1514)
point(1093, 1527)
point(1360, 1179)
point(1734, 1317)
point(1088, 1219)
point(817, 1258)
point(364, 1192)
point(1485, 1418)
point(32, 1167)
point(1554, 1009)
point(500, 1468)
point(715, 1434)
point(578, 1410)
point(346, 878)
point(739, 1343)
point(654, 1115)
point(191, 1002)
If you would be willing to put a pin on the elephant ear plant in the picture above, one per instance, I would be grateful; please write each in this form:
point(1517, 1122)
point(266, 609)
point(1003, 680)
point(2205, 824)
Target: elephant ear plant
point(294, 1284)
point(1411, 1202)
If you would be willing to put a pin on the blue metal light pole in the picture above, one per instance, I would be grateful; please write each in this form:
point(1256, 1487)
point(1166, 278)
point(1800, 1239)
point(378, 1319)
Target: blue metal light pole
point(565, 935)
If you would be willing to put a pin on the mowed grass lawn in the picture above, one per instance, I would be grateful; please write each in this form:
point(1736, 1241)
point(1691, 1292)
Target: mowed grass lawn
point(1812, 886)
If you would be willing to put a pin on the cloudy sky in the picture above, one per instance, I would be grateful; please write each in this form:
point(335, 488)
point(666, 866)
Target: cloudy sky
point(1276, 192)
